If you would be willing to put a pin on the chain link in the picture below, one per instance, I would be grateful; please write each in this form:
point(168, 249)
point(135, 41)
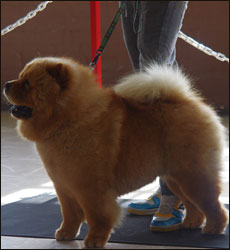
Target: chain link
point(191, 41)
point(22, 20)
point(203, 48)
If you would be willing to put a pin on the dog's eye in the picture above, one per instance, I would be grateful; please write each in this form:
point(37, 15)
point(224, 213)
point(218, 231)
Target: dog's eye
point(26, 84)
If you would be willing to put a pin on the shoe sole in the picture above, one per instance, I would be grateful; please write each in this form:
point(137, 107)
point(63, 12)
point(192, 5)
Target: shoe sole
point(141, 212)
point(166, 229)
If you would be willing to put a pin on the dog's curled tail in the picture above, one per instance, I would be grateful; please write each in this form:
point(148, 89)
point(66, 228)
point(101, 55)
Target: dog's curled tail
point(155, 82)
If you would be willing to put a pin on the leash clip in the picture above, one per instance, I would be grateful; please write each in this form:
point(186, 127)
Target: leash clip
point(93, 63)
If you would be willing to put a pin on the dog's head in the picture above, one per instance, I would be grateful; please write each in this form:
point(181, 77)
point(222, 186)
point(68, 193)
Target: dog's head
point(40, 86)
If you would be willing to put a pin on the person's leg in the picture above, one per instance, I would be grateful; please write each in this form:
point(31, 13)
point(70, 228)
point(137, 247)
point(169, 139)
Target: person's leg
point(152, 20)
point(160, 23)
point(130, 24)
point(130, 37)
point(164, 188)
point(170, 214)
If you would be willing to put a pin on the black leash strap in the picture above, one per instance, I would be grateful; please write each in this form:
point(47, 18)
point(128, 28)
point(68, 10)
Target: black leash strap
point(93, 63)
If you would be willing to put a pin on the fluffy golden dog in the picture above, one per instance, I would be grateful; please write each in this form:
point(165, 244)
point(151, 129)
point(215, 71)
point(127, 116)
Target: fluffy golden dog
point(99, 143)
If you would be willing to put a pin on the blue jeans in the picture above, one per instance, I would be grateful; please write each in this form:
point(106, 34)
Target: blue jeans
point(150, 30)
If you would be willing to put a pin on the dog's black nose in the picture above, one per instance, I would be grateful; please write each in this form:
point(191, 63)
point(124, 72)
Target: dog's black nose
point(7, 86)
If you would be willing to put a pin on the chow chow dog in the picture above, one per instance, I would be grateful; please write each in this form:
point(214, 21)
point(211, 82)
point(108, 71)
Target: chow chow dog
point(100, 143)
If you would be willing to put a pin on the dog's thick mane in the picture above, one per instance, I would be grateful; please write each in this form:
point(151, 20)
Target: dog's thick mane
point(156, 81)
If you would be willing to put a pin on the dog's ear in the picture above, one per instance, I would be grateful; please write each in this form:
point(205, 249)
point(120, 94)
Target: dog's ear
point(59, 73)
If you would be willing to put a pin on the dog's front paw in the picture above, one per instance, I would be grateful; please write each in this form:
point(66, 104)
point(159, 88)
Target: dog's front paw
point(62, 234)
point(94, 242)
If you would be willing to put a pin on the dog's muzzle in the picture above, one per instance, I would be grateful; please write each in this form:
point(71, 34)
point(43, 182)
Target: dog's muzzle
point(21, 112)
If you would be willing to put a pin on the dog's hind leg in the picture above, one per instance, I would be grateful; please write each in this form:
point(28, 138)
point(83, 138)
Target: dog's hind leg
point(203, 191)
point(194, 217)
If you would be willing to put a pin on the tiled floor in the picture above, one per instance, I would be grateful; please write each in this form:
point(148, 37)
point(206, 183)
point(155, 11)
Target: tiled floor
point(24, 176)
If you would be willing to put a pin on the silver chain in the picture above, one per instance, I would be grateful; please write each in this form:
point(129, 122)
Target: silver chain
point(181, 35)
point(203, 48)
point(22, 20)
